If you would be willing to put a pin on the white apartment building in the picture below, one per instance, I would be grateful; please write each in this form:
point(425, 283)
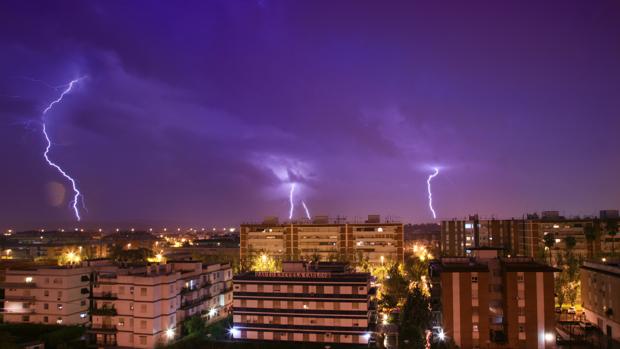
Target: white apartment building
point(47, 295)
point(143, 307)
point(306, 302)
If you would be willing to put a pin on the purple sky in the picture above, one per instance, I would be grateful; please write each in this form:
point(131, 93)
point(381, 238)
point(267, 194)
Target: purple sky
point(204, 113)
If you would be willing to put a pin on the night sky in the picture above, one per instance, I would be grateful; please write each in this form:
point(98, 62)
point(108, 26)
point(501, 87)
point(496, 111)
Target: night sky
point(203, 113)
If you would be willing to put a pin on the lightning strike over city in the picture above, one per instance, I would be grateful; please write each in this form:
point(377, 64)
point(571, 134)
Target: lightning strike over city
point(291, 201)
point(430, 192)
point(77, 195)
point(306, 209)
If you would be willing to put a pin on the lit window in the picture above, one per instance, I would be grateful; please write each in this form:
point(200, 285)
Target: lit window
point(29, 279)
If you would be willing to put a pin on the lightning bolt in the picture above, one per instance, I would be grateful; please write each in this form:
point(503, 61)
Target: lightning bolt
point(430, 193)
point(291, 202)
point(306, 209)
point(77, 195)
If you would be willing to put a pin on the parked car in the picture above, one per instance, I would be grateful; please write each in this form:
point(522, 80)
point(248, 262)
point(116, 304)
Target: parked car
point(572, 310)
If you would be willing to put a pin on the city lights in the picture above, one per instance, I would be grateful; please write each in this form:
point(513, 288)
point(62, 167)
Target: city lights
point(170, 333)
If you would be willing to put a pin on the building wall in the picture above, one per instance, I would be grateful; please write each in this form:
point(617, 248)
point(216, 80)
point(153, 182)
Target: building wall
point(328, 241)
point(330, 310)
point(598, 294)
point(149, 306)
point(51, 295)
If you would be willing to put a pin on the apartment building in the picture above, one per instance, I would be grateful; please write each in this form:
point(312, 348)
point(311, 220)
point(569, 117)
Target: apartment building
point(307, 302)
point(460, 236)
point(142, 307)
point(488, 301)
point(373, 240)
point(599, 282)
point(47, 295)
point(526, 236)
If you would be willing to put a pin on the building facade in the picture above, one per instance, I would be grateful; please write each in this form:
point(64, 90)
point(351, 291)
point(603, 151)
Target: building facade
point(375, 241)
point(487, 301)
point(526, 236)
point(47, 295)
point(599, 281)
point(320, 302)
point(143, 307)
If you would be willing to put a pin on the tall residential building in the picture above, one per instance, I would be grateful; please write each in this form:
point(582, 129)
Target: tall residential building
point(487, 301)
point(372, 240)
point(526, 236)
point(47, 295)
point(599, 283)
point(459, 236)
point(142, 307)
point(307, 302)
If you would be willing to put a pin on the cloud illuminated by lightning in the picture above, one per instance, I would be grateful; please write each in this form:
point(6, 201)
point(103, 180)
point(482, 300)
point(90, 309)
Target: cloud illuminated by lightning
point(430, 193)
point(306, 209)
point(291, 202)
point(77, 194)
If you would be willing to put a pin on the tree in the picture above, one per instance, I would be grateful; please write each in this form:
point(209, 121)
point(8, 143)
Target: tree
point(395, 283)
point(264, 262)
point(570, 242)
point(194, 325)
point(612, 231)
point(549, 240)
point(415, 319)
point(591, 234)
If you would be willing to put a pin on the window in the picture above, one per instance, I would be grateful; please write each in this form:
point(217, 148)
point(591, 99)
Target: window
point(519, 278)
point(121, 290)
point(142, 340)
point(46, 306)
point(46, 293)
point(474, 279)
point(521, 329)
point(130, 306)
point(143, 291)
point(59, 306)
point(475, 327)
point(59, 321)
point(83, 303)
point(143, 324)
point(131, 290)
point(59, 295)
point(143, 308)
point(25, 318)
point(121, 322)
point(45, 319)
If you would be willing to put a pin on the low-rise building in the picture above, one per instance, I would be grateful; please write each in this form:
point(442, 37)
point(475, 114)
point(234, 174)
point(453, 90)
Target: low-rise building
point(599, 281)
point(143, 307)
point(487, 301)
point(47, 295)
point(306, 302)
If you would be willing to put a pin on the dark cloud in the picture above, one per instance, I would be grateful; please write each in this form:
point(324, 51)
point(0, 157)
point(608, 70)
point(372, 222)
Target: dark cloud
point(204, 113)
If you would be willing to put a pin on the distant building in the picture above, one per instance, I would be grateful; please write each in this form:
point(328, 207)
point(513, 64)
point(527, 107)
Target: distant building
point(307, 302)
point(526, 236)
point(143, 307)
point(599, 295)
point(47, 295)
point(460, 236)
point(378, 242)
point(487, 301)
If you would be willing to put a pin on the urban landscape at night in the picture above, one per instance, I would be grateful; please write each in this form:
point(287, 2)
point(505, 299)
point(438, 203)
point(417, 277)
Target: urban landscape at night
point(309, 174)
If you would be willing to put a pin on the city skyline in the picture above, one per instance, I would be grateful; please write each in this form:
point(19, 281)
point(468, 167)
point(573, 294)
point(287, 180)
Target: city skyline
point(207, 115)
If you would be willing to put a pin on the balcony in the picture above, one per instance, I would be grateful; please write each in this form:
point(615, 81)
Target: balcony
point(102, 328)
point(104, 311)
point(104, 295)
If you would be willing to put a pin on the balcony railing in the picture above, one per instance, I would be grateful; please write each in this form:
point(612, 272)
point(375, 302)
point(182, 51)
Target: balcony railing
point(105, 311)
point(105, 295)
